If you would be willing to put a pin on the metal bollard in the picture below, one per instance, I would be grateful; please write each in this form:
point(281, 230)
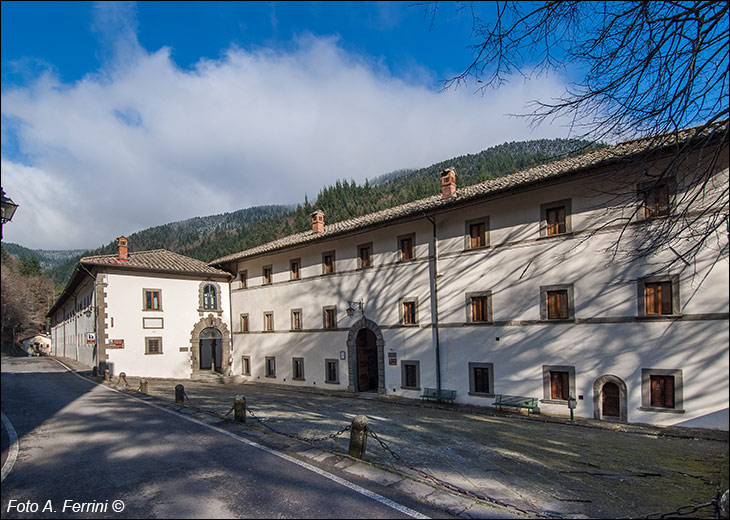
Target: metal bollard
point(107, 375)
point(179, 394)
point(123, 378)
point(143, 386)
point(239, 408)
point(95, 371)
point(358, 437)
point(724, 506)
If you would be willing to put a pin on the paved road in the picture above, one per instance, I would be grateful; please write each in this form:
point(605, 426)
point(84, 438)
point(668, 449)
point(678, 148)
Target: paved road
point(83, 443)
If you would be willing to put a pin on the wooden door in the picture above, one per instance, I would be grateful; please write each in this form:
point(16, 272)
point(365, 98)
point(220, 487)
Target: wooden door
point(611, 405)
point(367, 361)
point(206, 355)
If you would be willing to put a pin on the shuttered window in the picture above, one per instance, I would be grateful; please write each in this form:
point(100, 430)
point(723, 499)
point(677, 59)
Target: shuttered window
point(559, 385)
point(268, 321)
point(658, 298)
point(295, 270)
point(477, 235)
point(267, 275)
point(328, 263)
point(406, 248)
point(364, 256)
point(557, 305)
point(656, 201)
point(479, 308)
point(662, 391)
point(409, 313)
point(555, 220)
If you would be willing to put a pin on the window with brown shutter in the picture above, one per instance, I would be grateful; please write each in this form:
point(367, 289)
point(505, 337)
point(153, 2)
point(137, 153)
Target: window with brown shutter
point(330, 319)
point(477, 235)
point(662, 391)
point(479, 308)
point(658, 298)
point(244, 322)
point(267, 275)
point(559, 385)
point(409, 313)
point(268, 321)
point(295, 269)
point(364, 256)
point(152, 299)
point(328, 263)
point(296, 319)
point(656, 201)
point(406, 248)
point(557, 305)
point(243, 277)
point(555, 220)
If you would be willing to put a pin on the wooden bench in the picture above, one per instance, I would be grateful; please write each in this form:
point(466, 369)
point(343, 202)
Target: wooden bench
point(439, 395)
point(516, 401)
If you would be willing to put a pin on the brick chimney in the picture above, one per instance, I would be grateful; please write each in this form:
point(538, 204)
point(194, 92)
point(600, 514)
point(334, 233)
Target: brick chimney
point(448, 183)
point(318, 221)
point(123, 255)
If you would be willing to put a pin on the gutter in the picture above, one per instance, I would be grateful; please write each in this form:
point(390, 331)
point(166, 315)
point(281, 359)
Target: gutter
point(435, 301)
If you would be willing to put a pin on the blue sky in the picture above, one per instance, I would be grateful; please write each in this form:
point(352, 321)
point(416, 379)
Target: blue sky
point(121, 116)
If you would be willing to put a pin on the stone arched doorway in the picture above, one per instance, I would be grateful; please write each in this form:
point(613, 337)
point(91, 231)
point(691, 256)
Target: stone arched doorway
point(366, 359)
point(210, 332)
point(210, 352)
point(609, 399)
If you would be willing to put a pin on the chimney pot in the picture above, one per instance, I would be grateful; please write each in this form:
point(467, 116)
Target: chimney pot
point(318, 221)
point(123, 255)
point(448, 183)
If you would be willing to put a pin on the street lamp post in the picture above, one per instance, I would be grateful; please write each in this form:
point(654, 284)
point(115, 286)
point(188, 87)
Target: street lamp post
point(8, 210)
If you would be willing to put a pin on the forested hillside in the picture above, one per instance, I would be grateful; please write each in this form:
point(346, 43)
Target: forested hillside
point(210, 237)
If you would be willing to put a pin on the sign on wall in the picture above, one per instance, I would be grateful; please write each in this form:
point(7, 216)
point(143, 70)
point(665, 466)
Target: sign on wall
point(115, 343)
point(392, 358)
point(90, 338)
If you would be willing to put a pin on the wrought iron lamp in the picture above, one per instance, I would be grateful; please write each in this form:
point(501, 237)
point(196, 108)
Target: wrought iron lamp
point(8, 209)
point(351, 306)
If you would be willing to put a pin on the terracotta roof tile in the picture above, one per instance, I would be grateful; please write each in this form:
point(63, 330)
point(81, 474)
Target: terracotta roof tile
point(155, 260)
point(537, 174)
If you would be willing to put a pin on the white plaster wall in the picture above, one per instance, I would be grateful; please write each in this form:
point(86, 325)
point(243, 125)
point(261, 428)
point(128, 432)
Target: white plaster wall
point(68, 335)
point(605, 338)
point(180, 303)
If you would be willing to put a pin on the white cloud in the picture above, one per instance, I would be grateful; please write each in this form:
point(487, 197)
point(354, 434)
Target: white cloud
point(143, 143)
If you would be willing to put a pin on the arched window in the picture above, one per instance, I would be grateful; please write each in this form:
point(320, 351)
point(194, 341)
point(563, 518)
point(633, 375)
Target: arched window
point(210, 297)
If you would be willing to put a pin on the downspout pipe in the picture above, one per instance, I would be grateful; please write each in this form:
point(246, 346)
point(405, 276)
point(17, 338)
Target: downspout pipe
point(435, 301)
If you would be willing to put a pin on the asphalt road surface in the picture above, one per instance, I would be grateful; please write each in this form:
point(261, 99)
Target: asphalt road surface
point(86, 452)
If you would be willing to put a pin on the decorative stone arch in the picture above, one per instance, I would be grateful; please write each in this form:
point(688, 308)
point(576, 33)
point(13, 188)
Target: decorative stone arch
point(598, 395)
point(204, 323)
point(218, 304)
point(364, 323)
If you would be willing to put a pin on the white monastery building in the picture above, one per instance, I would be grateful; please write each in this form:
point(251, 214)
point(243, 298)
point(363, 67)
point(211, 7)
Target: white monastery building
point(149, 313)
point(572, 280)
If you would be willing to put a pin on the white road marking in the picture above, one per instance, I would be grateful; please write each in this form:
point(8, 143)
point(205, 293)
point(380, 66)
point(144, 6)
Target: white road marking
point(359, 489)
point(12, 450)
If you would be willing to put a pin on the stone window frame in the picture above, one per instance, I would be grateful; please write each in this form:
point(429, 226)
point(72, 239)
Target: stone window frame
point(472, 379)
point(467, 232)
point(401, 311)
point(399, 247)
point(468, 306)
point(417, 365)
point(568, 204)
point(243, 278)
point(544, 289)
point(643, 188)
point(293, 311)
point(646, 374)
point(245, 363)
point(360, 247)
point(201, 300)
point(270, 367)
point(336, 363)
point(269, 313)
point(144, 299)
point(546, 387)
point(247, 328)
point(270, 267)
point(294, 362)
point(326, 308)
point(641, 296)
point(147, 345)
point(298, 262)
point(334, 262)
